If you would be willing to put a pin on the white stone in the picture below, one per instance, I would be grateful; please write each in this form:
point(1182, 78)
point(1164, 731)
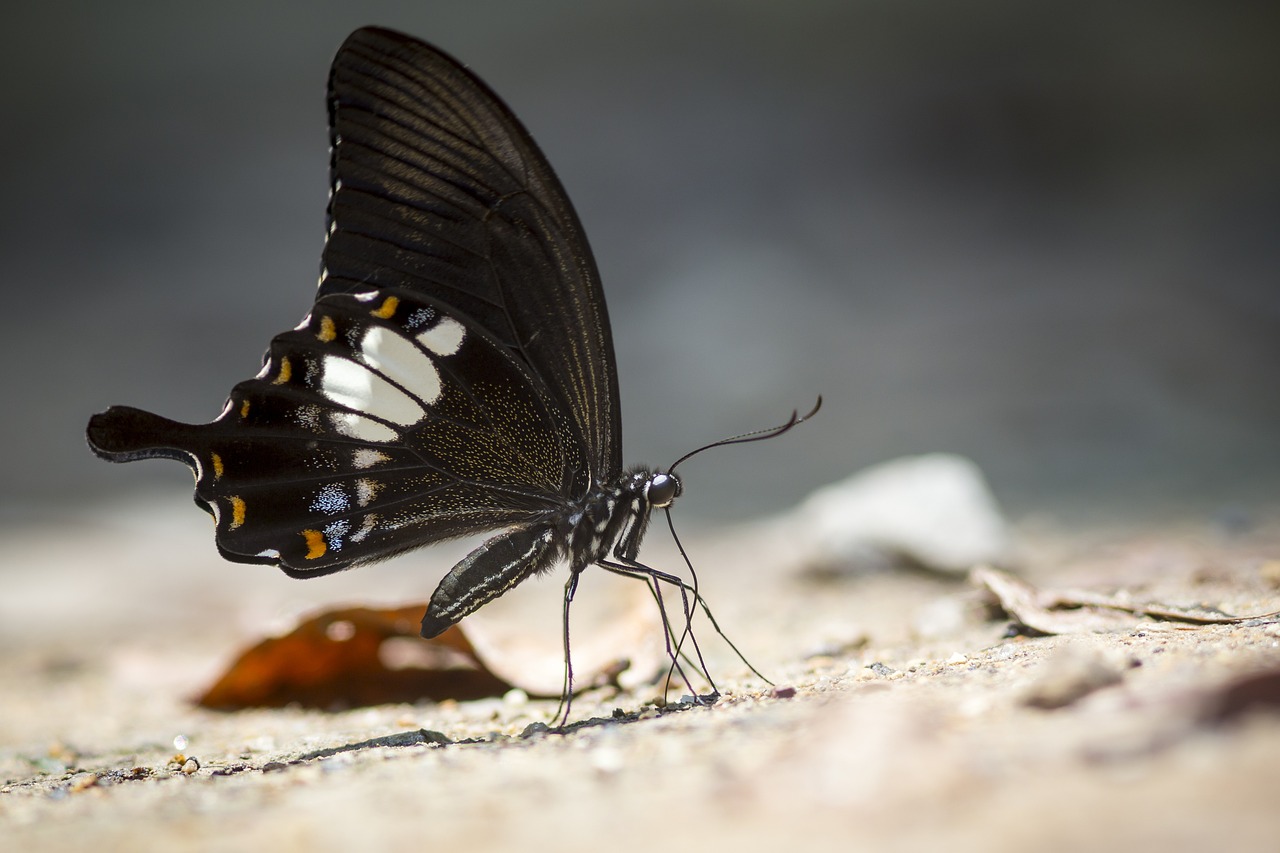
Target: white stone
point(935, 510)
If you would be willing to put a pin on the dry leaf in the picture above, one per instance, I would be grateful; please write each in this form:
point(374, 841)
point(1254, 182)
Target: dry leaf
point(1080, 611)
point(352, 657)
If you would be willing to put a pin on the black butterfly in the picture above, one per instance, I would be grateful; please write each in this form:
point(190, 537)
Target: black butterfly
point(454, 376)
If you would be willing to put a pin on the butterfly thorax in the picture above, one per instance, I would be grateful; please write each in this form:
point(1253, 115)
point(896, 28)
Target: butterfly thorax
point(612, 517)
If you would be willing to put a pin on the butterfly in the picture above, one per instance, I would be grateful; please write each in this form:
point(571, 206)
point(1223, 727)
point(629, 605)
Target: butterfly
point(454, 376)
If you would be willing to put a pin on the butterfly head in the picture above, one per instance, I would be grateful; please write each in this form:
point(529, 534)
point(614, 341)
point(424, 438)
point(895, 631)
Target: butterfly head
point(662, 489)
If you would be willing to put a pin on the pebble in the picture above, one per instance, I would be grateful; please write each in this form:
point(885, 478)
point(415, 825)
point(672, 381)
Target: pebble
point(535, 729)
point(82, 782)
point(1069, 675)
point(935, 510)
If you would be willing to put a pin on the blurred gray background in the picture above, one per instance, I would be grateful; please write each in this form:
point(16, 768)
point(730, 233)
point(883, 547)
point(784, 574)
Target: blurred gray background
point(1042, 235)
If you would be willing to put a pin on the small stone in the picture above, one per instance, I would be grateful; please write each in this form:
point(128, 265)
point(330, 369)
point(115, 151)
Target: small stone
point(880, 669)
point(1068, 676)
point(784, 692)
point(82, 782)
point(191, 765)
point(536, 729)
point(934, 510)
point(1257, 693)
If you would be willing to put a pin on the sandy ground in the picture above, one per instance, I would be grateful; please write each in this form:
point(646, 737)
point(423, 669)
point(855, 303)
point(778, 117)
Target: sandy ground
point(912, 725)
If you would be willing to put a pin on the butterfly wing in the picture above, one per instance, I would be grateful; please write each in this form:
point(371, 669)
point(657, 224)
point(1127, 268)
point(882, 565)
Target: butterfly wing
point(365, 434)
point(437, 188)
point(380, 424)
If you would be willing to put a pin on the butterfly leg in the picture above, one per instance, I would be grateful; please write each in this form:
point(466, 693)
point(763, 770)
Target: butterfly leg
point(631, 568)
point(653, 579)
point(566, 693)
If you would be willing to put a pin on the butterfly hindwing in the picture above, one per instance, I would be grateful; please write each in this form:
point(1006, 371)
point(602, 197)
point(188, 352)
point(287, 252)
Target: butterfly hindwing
point(437, 187)
point(380, 424)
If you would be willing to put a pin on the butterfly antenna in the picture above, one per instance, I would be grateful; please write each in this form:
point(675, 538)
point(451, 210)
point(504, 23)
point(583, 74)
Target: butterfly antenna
point(755, 435)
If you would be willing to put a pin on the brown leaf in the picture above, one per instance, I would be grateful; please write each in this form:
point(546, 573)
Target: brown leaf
point(352, 657)
point(1080, 611)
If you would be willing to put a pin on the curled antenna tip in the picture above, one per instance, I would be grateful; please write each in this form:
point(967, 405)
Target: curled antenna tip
point(755, 435)
point(817, 405)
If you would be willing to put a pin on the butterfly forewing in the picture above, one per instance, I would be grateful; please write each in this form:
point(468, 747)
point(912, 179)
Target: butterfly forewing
point(437, 188)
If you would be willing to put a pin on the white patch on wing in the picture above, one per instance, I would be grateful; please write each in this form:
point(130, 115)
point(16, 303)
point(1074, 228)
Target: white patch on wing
point(398, 359)
point(366, 527)
point(366, 490)
point(357, 426)
point(331, 499)
point(333, 533)
point(270, 553)
point(445, 337)
point(366, 457)
point(357, 387)
point(419, 318)
point(308, 417)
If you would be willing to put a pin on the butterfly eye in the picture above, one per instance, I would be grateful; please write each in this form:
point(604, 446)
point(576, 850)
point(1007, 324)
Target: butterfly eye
point(662, 489)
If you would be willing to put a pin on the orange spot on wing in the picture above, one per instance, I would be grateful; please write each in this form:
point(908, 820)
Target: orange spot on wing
point(237, 511)
point(244, 409)
point(316, 546)
point(217, 465)
point(327, 330)
point(387, 309)
point(286, 370)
